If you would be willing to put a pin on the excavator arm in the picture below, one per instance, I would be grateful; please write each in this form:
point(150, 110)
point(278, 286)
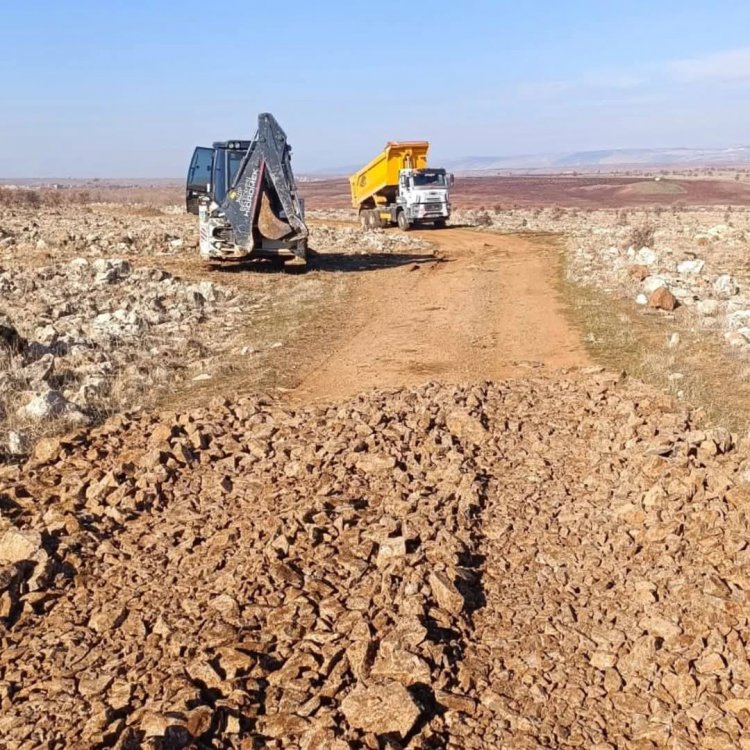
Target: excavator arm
point(262, 201)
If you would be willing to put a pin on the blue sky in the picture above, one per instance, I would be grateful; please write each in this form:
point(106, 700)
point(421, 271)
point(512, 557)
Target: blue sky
point(126, 89)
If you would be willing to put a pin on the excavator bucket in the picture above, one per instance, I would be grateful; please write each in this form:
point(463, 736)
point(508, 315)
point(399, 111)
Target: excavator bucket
point(269, 224)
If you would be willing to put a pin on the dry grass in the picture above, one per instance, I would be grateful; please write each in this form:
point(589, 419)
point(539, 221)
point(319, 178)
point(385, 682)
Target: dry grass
point(642, 236)
point(136, 380)
point(46, 197)
point(302, 313)
point(699, 370)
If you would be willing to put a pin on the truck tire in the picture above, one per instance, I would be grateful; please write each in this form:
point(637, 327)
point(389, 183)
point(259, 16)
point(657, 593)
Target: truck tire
point(364, 219)
point(439, 224)
point(375, 219)
point(403, 222)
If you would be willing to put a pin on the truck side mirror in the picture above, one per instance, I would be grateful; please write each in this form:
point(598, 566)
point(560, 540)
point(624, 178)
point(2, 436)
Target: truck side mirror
point(451, 179)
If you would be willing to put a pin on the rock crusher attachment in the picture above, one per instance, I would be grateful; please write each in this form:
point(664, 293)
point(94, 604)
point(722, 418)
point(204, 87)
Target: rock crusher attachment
point(246, 198)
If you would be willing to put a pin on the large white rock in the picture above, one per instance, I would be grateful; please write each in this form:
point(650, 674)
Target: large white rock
point(691, 266)
point(46, 334)
point(210, 291)
point(738, 319)
point(646, 257)
point(735, 339)
point(18, 442)
point(49, 405)
point(682, 294)
point(725, 286)
point(121, 322)
point(652, 283)
point(707, 307)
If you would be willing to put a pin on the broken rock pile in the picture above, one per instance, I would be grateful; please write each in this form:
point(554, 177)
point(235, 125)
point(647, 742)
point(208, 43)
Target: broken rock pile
point(98, 230)
point(354, 240)
point(80, 338)
point(698, 268)
point(549, 562)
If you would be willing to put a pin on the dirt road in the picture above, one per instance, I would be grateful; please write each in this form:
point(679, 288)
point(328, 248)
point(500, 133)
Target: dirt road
point(485, 307)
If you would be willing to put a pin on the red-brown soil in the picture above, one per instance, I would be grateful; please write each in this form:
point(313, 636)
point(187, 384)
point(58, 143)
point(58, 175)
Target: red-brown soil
point(557, 190)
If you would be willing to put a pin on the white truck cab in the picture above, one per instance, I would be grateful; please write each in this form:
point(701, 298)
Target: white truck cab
point(424, 195)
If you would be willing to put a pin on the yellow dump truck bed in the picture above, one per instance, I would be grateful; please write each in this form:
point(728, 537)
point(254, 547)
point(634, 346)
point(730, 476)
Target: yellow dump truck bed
point(374, 181)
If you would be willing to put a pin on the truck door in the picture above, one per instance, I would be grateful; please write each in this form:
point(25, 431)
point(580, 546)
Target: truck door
point(199, 177)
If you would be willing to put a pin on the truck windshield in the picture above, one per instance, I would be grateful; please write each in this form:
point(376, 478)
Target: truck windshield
point(429, 180)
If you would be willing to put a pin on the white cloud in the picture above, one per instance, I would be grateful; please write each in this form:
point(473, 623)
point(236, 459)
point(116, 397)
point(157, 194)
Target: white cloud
point(730, 65)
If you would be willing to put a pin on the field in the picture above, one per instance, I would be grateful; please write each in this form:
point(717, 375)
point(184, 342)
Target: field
point(585, 192)
point(483, 487)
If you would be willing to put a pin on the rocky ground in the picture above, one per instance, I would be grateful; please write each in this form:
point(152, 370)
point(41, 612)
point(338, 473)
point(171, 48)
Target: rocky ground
point(556, 560)
point(126, 231)
point(665, 259)
point(97, 230)
point(538, 563)
point(83, 339)
point(92, 323)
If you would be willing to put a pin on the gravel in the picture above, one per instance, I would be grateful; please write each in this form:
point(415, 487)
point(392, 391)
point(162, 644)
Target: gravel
point(539, 563)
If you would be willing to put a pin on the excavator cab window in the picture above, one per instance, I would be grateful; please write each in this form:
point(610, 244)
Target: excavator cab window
point(199, 177)
point(226, 164)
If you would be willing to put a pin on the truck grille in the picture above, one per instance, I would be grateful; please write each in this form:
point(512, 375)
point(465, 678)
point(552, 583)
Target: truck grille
point(432, 207)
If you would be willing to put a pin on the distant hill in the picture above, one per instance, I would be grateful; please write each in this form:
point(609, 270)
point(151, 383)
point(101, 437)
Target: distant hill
point(641, 157)
point(607, 159)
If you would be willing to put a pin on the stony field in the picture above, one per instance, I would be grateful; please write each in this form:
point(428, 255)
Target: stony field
point(104, 308)
point(697, 255)
point(193, 557)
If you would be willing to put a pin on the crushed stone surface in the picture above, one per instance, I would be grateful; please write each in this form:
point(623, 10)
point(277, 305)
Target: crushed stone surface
point(551, 562)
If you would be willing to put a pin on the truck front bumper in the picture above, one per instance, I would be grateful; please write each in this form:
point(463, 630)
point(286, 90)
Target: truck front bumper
point(430, 211)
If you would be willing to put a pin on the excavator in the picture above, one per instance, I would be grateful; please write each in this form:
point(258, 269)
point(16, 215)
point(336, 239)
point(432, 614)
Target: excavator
point(245, 196)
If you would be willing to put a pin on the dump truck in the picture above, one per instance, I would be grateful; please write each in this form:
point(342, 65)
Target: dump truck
point(397, 187)
point(245, 196)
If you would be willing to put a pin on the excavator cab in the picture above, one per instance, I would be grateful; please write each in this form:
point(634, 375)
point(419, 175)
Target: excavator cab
point(212, 171)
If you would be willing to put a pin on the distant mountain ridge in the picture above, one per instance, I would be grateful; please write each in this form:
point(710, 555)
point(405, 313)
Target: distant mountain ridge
point(641, 157)
point(605, 158)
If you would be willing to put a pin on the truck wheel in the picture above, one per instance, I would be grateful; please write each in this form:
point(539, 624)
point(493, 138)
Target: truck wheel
point(374, 219)
point(364, 219)
point(403, 222)
point(439, 224)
